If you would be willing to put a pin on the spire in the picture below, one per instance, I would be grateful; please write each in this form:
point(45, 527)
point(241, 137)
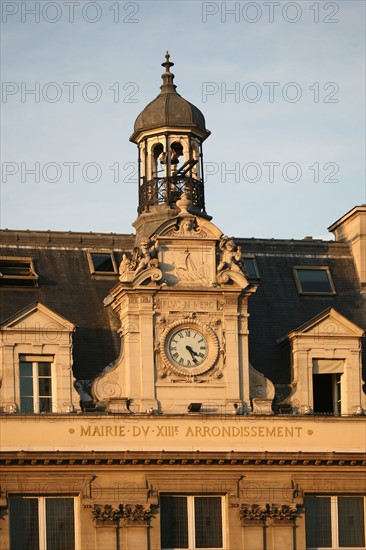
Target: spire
point(168, 86)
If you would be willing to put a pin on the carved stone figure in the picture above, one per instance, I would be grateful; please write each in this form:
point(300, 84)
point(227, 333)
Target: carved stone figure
point(145, 255)
point(230, 255)
point(125, 265)
point(187, 226)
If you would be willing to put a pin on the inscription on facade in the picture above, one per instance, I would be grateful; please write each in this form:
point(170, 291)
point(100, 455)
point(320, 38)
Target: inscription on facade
point(189, 305)
point(240, 432)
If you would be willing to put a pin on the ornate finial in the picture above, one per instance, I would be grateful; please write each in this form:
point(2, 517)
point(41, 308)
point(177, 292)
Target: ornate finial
point(168, 77)
point(183, 204)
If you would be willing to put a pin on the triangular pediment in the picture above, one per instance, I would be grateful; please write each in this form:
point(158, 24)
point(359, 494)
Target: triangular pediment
point(37, 315)
point(329, 323)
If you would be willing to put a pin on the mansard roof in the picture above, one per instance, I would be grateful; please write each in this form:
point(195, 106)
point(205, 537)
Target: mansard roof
point(68, 288)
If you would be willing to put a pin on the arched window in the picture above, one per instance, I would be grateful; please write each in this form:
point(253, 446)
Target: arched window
point(156, 150)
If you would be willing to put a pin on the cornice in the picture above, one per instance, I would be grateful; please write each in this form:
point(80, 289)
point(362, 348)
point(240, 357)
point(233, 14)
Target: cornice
point(112, 459)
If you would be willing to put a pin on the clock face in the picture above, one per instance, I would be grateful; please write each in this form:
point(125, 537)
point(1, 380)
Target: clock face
point(188, 347)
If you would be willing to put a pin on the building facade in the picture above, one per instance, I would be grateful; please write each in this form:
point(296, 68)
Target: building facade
point(178, 388)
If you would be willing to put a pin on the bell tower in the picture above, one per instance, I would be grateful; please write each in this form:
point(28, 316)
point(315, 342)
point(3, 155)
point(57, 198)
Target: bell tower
point(182, 296)
point(169, 134)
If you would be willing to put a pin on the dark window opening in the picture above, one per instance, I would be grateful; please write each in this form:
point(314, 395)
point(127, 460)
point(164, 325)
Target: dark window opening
point(191, 522)
point(102, 263)
point(17, 272)
point(41, 522)
point(334, 522)
point(314, 280)
point(326, 393)
point(250, 267)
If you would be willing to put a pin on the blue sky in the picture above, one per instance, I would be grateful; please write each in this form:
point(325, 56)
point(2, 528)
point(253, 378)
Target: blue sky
point(282, 166)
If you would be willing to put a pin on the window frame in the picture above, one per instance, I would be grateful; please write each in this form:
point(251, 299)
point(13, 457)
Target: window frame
point(191, 520)
point(105, 251)
point(35, 360)
point(334, 524)
point(42, 517)
point(325, 268)
point(28, 262)
point(255, 265)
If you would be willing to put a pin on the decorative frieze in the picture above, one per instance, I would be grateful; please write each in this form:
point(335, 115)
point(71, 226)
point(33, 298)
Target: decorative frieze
point(262, 513)
point(130, 514)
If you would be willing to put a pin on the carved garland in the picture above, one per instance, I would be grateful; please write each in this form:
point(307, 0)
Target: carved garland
point(256, 512)
point(138, 513)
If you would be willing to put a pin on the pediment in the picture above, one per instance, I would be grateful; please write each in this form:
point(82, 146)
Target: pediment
point(188, 227)
point(37, 315)
point(329, 323)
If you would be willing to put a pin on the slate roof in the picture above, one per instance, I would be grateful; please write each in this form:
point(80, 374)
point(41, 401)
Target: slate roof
point(277, 308)
point(67, 287)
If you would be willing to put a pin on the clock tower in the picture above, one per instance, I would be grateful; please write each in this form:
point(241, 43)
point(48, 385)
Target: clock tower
point(182, 296)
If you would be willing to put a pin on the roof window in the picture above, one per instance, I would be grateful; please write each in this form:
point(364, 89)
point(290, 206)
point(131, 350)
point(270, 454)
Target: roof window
point(15, 271)
point(314, 280)
point(102, 262)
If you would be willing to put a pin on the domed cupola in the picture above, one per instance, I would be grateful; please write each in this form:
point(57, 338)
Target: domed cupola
point(169, 109)
point(169, 134)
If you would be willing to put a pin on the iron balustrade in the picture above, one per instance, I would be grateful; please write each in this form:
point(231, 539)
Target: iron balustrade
point(168, 190)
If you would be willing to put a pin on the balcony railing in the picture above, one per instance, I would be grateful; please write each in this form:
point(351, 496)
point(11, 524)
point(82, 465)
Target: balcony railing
point(168, 190)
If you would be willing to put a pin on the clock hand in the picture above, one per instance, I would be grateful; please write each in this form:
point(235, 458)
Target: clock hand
point(191, 350)
point(193, 353)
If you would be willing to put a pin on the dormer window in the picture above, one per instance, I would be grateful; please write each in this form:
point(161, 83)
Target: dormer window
point(36, 381)
point(102, 262)
point(314, 280)
point(250, 267)
point(16, 271)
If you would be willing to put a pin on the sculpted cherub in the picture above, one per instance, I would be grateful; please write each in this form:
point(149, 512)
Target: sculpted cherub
point(125, 265)
point(230, 255)
point(145, 255)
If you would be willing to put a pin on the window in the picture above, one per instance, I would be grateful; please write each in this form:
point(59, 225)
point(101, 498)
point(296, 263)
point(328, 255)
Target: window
point(191, 522)
point(102, 262)
point(313, 280)
point(327, 393)
point(42, 523)
point(35, 379)
point(17, 272)
point(250, 267)
point(327, 385)
point(334, 522)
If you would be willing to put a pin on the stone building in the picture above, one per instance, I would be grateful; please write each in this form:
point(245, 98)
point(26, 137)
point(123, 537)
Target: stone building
point(178, 388)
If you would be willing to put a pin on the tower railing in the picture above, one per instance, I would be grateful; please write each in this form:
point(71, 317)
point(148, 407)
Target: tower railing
point(158, 191)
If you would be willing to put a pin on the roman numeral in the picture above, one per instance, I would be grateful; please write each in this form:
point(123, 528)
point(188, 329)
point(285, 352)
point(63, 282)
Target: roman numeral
point(175, 355)
point(181, 361)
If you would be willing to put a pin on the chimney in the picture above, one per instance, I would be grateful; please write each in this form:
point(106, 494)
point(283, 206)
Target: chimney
point(352, 228)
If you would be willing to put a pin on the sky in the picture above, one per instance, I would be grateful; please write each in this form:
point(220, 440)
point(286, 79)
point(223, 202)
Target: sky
point(281, 85)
